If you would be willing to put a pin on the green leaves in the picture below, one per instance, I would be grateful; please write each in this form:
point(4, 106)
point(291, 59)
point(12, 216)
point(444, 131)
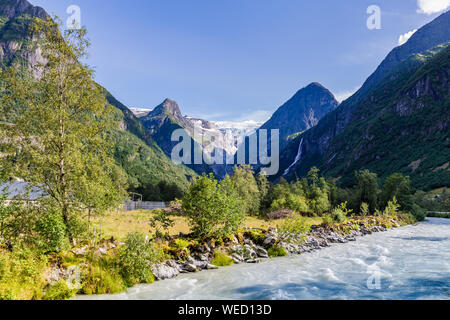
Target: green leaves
point(213, 209)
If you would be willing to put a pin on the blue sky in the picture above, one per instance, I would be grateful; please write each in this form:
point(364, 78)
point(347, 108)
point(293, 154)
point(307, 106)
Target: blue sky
point(237, 59)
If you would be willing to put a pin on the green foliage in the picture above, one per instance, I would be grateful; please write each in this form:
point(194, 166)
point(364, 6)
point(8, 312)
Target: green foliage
point(364, 210)
point(59, 141)
point(179, 248)
point(213, 209)
point(398, 186)
point(277, 251)
point(247, 188)
point(295, 224)
point(367, 188)
point(391, 208)
point(149, 171)
point(136, 257)
point(102, 276)
point(340, 213)
point(59, 291)
point(21, 274)
point(221, 259)
point(51, 232)
point(294, 202)
point(327, 220)
point(161, 218)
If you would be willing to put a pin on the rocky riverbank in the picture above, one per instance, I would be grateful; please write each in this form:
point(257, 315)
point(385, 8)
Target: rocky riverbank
point(254, 245)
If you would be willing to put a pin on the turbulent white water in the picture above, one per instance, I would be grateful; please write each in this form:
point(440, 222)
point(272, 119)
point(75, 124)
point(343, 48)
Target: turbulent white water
point(412, 262)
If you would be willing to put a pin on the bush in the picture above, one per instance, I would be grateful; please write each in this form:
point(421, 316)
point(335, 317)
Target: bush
point(391, 208)
point(21, 274)
point(59, 291)
point(340, 213)
point(277, 252)
point(180, 249)
point(51, 232)
point(364, 210)
point(221, 259)
point(296, 224)
point(293, 202)
point(420, 214)
point(101, 277)
point(161, 219)
point(327, 220)
point(136, 257)
point(213, 209)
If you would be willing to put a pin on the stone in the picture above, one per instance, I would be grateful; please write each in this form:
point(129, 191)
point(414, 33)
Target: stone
point(190, 267)
point(164, 271)
point(211, 267)
point(261, 252)
point(269, 241)
point(80, 251)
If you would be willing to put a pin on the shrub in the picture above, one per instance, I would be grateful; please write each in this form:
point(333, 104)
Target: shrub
point(136, 257)
point(21, 274)
point(244, 182)
point(420, 214)
point(340, 213)
point(277, 251)
point(59, 291)
point(295, 224)
point(279, 214)
point(101, 277)
point(51, 232)
point(327, 220)
point(161, 219)
point(179, 248)
point(391, 208)
point(221, 259)
point(364, 210)
point(213, 209)
point(293, 202)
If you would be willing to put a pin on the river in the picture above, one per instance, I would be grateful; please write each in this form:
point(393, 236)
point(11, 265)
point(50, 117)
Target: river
point(411, 262)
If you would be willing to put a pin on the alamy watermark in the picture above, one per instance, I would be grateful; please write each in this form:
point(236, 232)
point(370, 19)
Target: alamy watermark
point(209, 149)
point(73, 22)
point(374, 280)
point(374, 20)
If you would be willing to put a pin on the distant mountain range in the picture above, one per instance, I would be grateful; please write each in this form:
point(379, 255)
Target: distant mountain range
point(398, 121)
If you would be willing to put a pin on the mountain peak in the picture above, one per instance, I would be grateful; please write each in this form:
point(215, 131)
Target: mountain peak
point(168, 106)
point(303, 110)
point(14, 8)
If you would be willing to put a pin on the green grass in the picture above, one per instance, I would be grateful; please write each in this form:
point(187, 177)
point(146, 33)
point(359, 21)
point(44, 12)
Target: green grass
point(221, 260)
point(277, 252)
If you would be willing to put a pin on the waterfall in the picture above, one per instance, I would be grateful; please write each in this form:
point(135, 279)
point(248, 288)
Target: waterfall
point(297, 158)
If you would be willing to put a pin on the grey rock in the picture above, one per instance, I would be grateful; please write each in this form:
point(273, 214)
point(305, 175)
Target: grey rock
point(163, 271)
point(190, 267)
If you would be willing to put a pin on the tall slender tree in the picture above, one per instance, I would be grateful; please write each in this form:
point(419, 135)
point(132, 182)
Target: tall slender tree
point(59, 139)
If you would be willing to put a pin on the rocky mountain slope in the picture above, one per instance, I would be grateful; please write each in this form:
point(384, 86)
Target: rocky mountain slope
point(136, 152)
point(397, 122)
point(303, 111)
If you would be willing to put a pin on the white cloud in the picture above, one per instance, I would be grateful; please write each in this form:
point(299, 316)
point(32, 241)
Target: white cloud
point(432, 6)
point(344, 95)
point(405, 37)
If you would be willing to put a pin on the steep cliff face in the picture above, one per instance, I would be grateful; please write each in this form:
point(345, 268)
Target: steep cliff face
point(403, 126)
point(303, 111)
